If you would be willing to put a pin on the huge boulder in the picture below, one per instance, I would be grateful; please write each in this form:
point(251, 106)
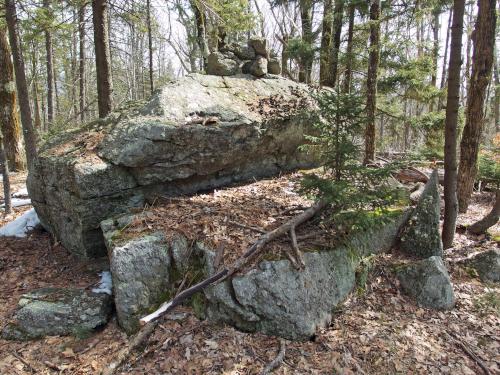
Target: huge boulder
point(428, 282)
point(197, 133)
point(58, 311)
point(421, 237)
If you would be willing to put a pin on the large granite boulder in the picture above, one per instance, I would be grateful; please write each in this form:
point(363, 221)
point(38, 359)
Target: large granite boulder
point(428, 282)
point(58, 311)
point(421, 237)
point(222, 64)
point(487, 265)
point(197, 133)
point(273, 298)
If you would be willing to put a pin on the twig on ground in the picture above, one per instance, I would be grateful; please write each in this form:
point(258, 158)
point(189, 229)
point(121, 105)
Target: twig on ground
point(469, 352)
point(277, 361)
point(25, 362)
point(247, 227)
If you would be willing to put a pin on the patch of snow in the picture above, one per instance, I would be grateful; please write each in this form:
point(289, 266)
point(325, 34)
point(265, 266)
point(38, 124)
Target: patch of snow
point(105, 284)
point(21, 193)
point(17, 202)
point(22, 225)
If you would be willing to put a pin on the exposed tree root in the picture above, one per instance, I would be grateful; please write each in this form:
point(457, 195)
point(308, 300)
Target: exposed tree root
point(277, 361)
point(470, 353)
point(489, 220)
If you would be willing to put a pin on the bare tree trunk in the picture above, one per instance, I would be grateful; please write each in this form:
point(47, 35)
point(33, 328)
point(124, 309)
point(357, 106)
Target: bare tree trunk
point(338, 16)
point(435, 52)
point(36, 102)
point(489, 220)
point(81, 67)
point(201, 32)
point(150, 45)
point(445, 59)
point(307, 38)
point(29, 132)
point(74, 74)
point(4, 169)
point(326, 43)
point(50, 78)
point(496, 102)
point(371, 82)
point(482, 62)
point(9, 120)
point(349, 56)
point(102, 57)
point(450, 146)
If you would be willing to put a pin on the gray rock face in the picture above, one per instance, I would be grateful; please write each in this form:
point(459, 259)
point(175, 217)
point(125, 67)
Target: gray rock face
point(58, 311)
point(274, 66)
point(140, 270)
point(197, 133)
point(259, 67)
point(428, 282)
point(220, 64)
point(259, 45)
point(487, 265)
point(421, 237)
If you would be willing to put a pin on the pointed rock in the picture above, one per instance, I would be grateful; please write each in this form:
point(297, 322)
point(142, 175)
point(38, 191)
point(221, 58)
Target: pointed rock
point(420, 236)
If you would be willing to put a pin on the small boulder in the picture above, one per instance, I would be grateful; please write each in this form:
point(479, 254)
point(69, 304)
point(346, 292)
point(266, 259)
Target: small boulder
point(487, 265)
point(58, 311)
point(242, 51)
point(428, 282)
point(420, 236)
point(259, 67)
point(259, 45)
point(222, 64)
point(274, 66)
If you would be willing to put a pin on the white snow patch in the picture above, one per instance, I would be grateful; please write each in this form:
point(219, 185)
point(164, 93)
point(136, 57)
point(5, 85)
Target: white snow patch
point(17, 202)
point(105, 284)
point(21, 193)
point(22, 225)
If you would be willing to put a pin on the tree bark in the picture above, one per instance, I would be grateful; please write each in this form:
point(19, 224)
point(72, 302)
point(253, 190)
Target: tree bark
point(9, 120)
point(482, 62)
point(201, 32)
point(338, 16)
point(445, 58)
point(435, 51)
point(22, 86)
point(450, 143)
point(150, 45)
point(102, 57)
point(326, 43)
point(307, 38)
point(81, 62)
point(4, 169)
point(496, 102)
point(50, 70)
point(489, 220)
point(371, 83)
point(348, 52)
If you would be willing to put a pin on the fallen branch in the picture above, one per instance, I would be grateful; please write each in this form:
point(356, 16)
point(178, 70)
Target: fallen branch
point(139, 339)
point(470, 353)
point(258, 230)
point(277, 361)
point(226, 272)
point(489, 220)
point(25, 362)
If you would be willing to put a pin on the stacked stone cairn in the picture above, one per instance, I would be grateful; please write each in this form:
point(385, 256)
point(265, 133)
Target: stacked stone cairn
point(253, 58)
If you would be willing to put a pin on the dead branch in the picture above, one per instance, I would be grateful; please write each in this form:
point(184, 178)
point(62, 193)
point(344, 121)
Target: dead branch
point(469, 352)
point(258, 230)
point(253, 251)
point(139, 339)
point(25, 362)
point(295, 247)
point(277, 361)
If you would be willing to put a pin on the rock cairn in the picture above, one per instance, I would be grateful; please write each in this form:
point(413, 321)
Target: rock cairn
point(253, 58)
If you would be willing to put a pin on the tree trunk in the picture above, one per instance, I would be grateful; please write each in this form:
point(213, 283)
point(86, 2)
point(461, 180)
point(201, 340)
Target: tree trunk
point(150, 45)
point(371, 82)
point(435, 52)
point(496, 102)
point(4, 169)
point(482, 62)
point(102, 57)
point(22, 86)
point(445, 59)
point(201, 33)
point(348, 52)
point(50, 78)
point(450, 142)
point(81, 62)
point(338, 16)
point(36, 101)
point(326, 43)
point(9, 120)
point(307, 38)
point(489, 220)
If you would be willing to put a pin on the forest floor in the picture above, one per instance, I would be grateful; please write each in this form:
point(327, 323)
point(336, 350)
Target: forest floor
point(376, 331)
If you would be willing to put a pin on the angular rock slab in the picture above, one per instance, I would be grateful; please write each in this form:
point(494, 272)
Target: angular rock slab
point(165, 147)
point(487, 265)
point(58, 311)
point(277, 299)
point(428, 282)
point(421, 237)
